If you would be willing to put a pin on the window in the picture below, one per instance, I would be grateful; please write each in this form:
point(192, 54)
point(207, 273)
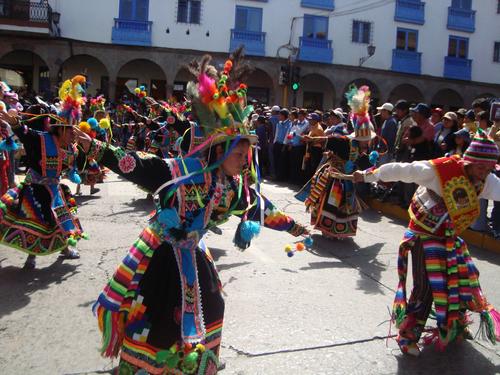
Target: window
point(458, 47)
point(462, 4)
point(498, 7)
point(361, 32)
point(407, 40)
point(248, 19)
point(496, 52)
point(315, 27)
point(188, 11)
point(136, 10)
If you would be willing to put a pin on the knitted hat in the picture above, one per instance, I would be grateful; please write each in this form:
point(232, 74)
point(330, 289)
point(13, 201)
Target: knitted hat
point(482, 149)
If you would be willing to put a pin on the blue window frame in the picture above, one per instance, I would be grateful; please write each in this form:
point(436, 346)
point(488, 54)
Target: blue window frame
point(458, 47)
point(407, 39)
point(137, 10)
point(248, 19)
point(361, 32)
point(315, 27)
point(188, 11)
point(461, 4)
point(496, 52)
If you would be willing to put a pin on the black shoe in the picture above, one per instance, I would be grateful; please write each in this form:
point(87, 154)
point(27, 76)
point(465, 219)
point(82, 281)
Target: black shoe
point(94, 190)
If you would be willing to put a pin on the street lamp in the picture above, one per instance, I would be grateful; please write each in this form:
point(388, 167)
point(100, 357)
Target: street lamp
point(56, 18)
point(371, 51)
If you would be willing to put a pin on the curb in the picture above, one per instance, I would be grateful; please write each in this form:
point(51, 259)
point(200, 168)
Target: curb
point(480, 240)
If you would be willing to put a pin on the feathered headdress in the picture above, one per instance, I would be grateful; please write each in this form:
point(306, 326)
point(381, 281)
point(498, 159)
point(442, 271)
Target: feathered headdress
point(97, 104)
point(359, 101)
point(219, 99)
point(71, 95)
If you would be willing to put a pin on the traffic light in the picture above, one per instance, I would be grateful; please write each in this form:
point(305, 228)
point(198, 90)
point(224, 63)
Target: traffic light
point(284, 77)
point(295, 81)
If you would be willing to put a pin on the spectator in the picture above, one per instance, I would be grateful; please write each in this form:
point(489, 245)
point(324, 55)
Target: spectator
point(436, 116)
point(296, 147)
point(405, 121)
point(279, 151)
point(470, 122)
point(388, 131)
point(483, 119)
point(261, 130)
point(273, 121)
point(444, 134)
point(480, 104)
point(420, 115)
point(461, 140)
point(335, 123)
point(315, 148)
point(461, 117)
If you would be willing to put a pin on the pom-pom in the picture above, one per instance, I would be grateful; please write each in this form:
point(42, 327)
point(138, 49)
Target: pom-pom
point(85, 127)
point(72, 241)
point(290, 254)
point(249, 230)
point(74, 177)
point(8, 145)
point(93, 123)
point(308, 242)
point(373, 157)
point(85, 236)
point(137, 91)
point(300, 246)
point(288, 248)
point(142, 88)
point(104, 123)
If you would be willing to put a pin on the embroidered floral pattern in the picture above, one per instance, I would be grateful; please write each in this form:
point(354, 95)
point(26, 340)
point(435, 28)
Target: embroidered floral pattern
point(127, 164)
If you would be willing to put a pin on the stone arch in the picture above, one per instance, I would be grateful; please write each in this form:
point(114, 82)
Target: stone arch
point(24, 69)
point(182, 77)
point(448, 99)
point(92, 68)
point(141, 72)
point(261, 87)
point(316, 92)
point(407, 92)
point(375, 92)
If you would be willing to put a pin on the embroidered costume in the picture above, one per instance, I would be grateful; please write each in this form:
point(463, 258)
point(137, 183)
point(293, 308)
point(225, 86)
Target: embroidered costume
point(162, 311)
point(445, 204)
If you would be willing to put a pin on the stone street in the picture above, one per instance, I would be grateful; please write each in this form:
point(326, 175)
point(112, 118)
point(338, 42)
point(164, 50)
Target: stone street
point(320, 312)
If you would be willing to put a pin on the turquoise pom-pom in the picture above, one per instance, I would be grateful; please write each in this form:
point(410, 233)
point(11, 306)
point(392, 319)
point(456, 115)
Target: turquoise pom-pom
point(93, 123)
point(308, 242)
point(373, 157)
point(143, 88)
point(74, 177)
point(249, 230)
point(290, 254)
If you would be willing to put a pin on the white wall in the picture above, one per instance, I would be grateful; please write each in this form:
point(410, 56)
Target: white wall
point(92, 20)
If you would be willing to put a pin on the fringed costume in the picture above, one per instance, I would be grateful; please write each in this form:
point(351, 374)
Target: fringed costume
point(444, 205)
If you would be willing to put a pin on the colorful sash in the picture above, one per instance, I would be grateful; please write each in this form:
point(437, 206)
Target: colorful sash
point(459, 195)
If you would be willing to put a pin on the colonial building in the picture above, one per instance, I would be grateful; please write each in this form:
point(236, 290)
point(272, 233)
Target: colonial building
point(445, 52)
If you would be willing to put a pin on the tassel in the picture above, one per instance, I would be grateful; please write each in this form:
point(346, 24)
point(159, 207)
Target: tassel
point(245, 232)
point(489, 328)
point(8, 145)
point(373, 157)
point(111, 325)
point(74, 177)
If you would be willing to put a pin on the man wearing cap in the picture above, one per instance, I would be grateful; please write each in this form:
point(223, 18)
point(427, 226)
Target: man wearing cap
point(436, 115)
point(443, 206)
point(444, 133)
point(420, 115)
point(335, 123)
point(279, 152)
point(402, 112)
point(296, 147)
point(389, 130)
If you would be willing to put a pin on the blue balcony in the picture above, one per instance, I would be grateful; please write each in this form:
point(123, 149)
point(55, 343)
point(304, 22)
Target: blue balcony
point(406, 61)
point(318, 4)
point(130, 32)
point(316, 50)
point(254, 41)
point(410, 12)
point(461, 19)
point(457, 68)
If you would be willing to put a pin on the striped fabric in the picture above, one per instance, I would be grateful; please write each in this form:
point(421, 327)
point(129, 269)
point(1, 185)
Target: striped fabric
point(482, 149)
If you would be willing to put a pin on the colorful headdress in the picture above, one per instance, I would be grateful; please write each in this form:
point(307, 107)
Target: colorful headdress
point(359, 101)
point(97, 104)
point(71, 95)
point(482, 149)
point(219, 100)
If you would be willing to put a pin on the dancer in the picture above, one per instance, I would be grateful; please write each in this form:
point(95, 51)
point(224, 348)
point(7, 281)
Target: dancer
point(162, 311)
point(444, 205)
point(38, 216)
point(333, 202)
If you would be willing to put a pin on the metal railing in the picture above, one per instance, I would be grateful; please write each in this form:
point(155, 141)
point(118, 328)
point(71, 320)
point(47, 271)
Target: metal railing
point(315, 43)
point(23, 10)
point(410, 11)
point(253, 36)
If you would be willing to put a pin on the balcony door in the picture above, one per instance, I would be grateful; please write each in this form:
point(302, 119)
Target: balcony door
point(248, 19)
point(315, 27)
point(135, 10)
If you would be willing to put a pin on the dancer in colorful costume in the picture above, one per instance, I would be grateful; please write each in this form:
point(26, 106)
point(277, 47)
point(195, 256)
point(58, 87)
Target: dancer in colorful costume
point(162, 312)
point(444, 205)
point(39, 215)
point(333, 202)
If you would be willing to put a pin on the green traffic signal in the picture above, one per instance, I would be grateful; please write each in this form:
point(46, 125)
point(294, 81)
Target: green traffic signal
point(295, 86)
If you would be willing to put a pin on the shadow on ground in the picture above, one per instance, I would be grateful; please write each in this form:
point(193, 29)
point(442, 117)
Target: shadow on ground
point(18, 284)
